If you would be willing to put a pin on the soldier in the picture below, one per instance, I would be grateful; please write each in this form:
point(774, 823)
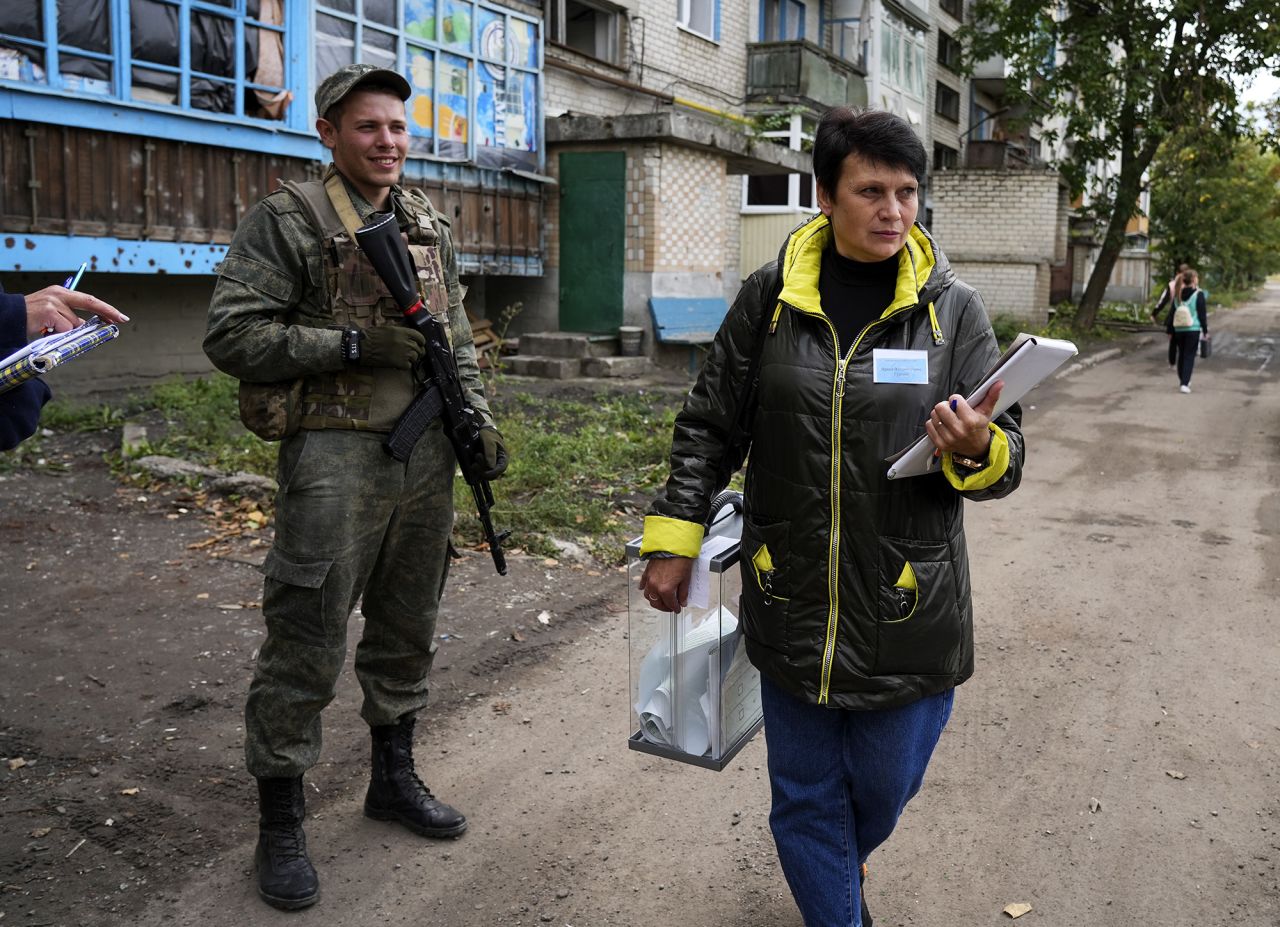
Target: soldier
point(327, 364)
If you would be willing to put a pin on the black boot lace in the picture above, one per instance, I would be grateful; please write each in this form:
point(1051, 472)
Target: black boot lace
point(402, 746)
point(288, 842)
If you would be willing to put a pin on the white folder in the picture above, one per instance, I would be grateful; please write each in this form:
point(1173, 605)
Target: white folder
point(1029, 361)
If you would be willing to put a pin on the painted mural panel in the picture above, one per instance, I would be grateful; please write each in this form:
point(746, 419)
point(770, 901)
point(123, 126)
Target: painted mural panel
point(418, 108)
point(506, 99)
point(453, 106)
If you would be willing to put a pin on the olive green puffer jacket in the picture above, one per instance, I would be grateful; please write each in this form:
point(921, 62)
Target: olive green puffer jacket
point(855, 587)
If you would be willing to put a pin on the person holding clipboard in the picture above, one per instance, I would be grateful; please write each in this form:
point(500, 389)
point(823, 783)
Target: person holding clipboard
point(856, 593)
point(22, 320)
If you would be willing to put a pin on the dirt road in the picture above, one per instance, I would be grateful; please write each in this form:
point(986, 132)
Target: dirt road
point(1113, 762)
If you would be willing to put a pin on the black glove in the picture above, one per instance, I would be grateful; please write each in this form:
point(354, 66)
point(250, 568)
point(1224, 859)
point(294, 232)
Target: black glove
point(495, 455)
point(391, 346)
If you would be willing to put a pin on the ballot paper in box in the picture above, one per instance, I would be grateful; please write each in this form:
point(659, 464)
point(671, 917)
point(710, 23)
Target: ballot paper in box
point(695, 696)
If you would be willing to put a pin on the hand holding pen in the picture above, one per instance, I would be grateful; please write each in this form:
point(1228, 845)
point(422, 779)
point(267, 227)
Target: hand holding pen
point(54, 308)
point(955, 426)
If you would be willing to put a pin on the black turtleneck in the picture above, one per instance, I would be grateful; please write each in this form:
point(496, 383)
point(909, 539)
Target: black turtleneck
point(854, 293)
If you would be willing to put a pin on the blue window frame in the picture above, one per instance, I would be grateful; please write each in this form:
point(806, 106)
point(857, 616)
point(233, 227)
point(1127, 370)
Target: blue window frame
point(781, 20)
point(242, 73)
point(701, 17)
point(847, 39)
point(216, 56)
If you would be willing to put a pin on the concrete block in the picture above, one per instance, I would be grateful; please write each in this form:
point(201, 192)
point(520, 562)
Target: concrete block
point(550, 368)
point(615, 366)
point(568, 344)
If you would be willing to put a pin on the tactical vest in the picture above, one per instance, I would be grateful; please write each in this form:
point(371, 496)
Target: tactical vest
point(366, 398)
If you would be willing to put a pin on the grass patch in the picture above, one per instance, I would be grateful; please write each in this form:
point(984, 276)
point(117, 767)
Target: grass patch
point(581, 470)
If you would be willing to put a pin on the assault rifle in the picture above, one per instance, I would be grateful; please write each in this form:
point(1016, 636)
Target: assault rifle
point(442, 396)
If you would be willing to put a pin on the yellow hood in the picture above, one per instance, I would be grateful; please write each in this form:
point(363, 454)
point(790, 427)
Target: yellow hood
point(802, 263)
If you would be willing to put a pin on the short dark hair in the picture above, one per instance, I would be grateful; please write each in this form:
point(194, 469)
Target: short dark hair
point(879, 137)
point(334, 113)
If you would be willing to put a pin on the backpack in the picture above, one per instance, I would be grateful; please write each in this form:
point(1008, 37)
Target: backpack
point(1184, 315)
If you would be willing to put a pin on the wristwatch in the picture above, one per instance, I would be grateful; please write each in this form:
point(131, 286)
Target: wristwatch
point(967, 463)
point(351, 338)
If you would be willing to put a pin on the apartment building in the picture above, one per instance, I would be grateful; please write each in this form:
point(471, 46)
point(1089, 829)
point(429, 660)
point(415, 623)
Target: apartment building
point(647, 139)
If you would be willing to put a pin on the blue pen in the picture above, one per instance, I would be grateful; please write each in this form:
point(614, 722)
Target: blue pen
point(69, 284)
point(72, 282)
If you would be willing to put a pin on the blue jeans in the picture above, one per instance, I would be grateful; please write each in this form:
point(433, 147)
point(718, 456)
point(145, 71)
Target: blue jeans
point(840, 780)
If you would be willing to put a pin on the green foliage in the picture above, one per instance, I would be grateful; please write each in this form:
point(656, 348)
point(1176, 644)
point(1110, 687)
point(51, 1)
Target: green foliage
point(202, 422)
point(67, 416)
point(1215, 205)
point(1112, 81)
point(1006, 327)
point(576, 468)
point(1062, 323)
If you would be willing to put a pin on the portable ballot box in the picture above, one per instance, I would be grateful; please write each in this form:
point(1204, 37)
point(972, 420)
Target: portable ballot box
point(695, 697)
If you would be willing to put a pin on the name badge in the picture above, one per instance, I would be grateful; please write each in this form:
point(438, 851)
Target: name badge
point(892, 365)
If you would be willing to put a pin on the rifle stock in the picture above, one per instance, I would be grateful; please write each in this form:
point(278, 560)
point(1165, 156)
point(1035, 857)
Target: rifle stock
point(443, 396)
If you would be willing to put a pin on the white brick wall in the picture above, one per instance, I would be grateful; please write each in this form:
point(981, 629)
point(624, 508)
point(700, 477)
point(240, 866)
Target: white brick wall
point(691, 212)
point(662, 57)
point(683, 227)
point(1012, 213)
point(1002, 230)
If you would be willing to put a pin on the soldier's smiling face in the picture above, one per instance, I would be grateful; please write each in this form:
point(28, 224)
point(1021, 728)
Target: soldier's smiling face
point(369, 143)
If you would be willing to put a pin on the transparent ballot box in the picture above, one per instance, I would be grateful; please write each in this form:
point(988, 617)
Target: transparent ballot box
point(695, 697)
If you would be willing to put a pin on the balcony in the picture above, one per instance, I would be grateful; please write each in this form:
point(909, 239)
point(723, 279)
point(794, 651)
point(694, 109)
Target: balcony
point(1003, 155)
point(989, 76)
point(800, 72)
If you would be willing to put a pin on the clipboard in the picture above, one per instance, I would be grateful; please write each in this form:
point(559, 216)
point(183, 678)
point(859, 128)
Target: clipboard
point(1028, 361)
point(43, 354)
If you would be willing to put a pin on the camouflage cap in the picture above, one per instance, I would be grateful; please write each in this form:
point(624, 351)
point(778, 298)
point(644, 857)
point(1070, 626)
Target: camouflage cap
point(342, 81)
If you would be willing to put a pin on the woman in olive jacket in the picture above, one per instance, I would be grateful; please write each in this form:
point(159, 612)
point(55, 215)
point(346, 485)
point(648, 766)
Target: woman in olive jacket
point(856, 596)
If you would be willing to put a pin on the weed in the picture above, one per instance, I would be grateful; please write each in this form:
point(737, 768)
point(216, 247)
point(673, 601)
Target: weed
point(493, 375)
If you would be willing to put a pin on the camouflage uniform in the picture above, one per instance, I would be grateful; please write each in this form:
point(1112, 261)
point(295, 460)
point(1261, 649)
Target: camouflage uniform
point(350, 520)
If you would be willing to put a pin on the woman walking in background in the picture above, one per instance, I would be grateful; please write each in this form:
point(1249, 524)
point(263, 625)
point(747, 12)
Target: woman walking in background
point(1187, 323)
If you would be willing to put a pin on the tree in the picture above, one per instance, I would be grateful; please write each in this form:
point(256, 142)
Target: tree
point(1215, 205)
point(1118, 77)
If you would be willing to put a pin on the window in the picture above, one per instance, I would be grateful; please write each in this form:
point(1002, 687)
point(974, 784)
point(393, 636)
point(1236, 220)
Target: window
point(475, 69)
point(474, 79)
point(949, 52)
point(954, 8)
point(178, 54)
point(947, 103)
point(902, 56)
point(847, 40)
point(781, 20)
point(944, 158)
point(590, 28)
point(701, 17)
point(775, 193)
point(982, 124)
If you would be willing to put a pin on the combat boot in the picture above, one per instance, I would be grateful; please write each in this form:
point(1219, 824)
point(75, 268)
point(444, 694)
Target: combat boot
point(286, 878)
point(397, 794)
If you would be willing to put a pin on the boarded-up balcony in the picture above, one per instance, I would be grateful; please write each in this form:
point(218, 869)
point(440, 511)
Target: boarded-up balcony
point(60, 183)
point(799, 72)
point(1001, 155)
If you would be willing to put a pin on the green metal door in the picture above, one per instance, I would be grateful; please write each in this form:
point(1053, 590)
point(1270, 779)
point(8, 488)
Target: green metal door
point(592, 233)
